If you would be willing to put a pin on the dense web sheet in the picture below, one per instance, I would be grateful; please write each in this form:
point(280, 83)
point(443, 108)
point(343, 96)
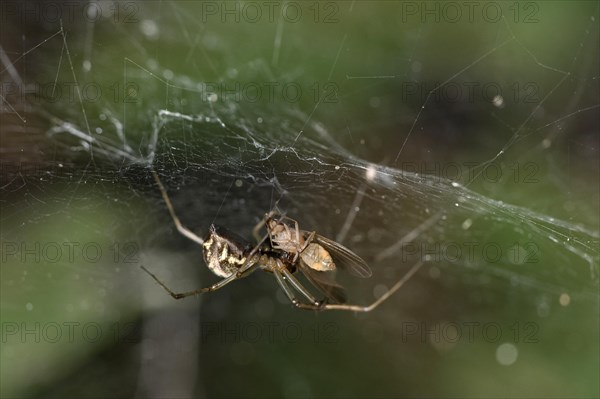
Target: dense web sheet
point(483, 191)
point(309, 174)
point(284, 153)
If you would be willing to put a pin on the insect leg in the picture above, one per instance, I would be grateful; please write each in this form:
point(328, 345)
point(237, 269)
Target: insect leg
point(290, 294)
point(300, 288)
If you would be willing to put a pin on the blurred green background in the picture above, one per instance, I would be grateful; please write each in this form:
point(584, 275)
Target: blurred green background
point(469, 127)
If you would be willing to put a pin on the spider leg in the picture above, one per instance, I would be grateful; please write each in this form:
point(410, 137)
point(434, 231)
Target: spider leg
point(259, 225)
point(246, 269)
point(251, 258)
point(214, 287)
point(308, 240)
point(380, 300)
point(263, 222)
point(180, 227)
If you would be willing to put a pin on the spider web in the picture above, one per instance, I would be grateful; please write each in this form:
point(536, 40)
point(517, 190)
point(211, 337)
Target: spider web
point(496, 191)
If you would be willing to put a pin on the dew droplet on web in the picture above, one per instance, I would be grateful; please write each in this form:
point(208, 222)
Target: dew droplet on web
point(498, 101)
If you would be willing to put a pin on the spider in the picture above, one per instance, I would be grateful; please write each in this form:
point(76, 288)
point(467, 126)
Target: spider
point(288, 249)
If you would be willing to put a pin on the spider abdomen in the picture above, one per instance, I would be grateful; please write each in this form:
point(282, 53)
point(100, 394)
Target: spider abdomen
point(224, 254)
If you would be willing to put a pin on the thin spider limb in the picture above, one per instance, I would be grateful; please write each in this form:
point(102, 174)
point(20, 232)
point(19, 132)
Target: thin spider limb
point(275, 265)
point(180, 227)
point(346, 307)
point(247, 268)
point(381, 299)
point(181, 295)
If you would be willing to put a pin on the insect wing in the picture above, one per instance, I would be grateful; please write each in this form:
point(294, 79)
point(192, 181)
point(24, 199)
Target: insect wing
point(343, 257)
point(325, 283)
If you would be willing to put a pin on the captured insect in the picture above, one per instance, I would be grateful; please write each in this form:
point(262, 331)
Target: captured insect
point(282, 251)
point(316, 256)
